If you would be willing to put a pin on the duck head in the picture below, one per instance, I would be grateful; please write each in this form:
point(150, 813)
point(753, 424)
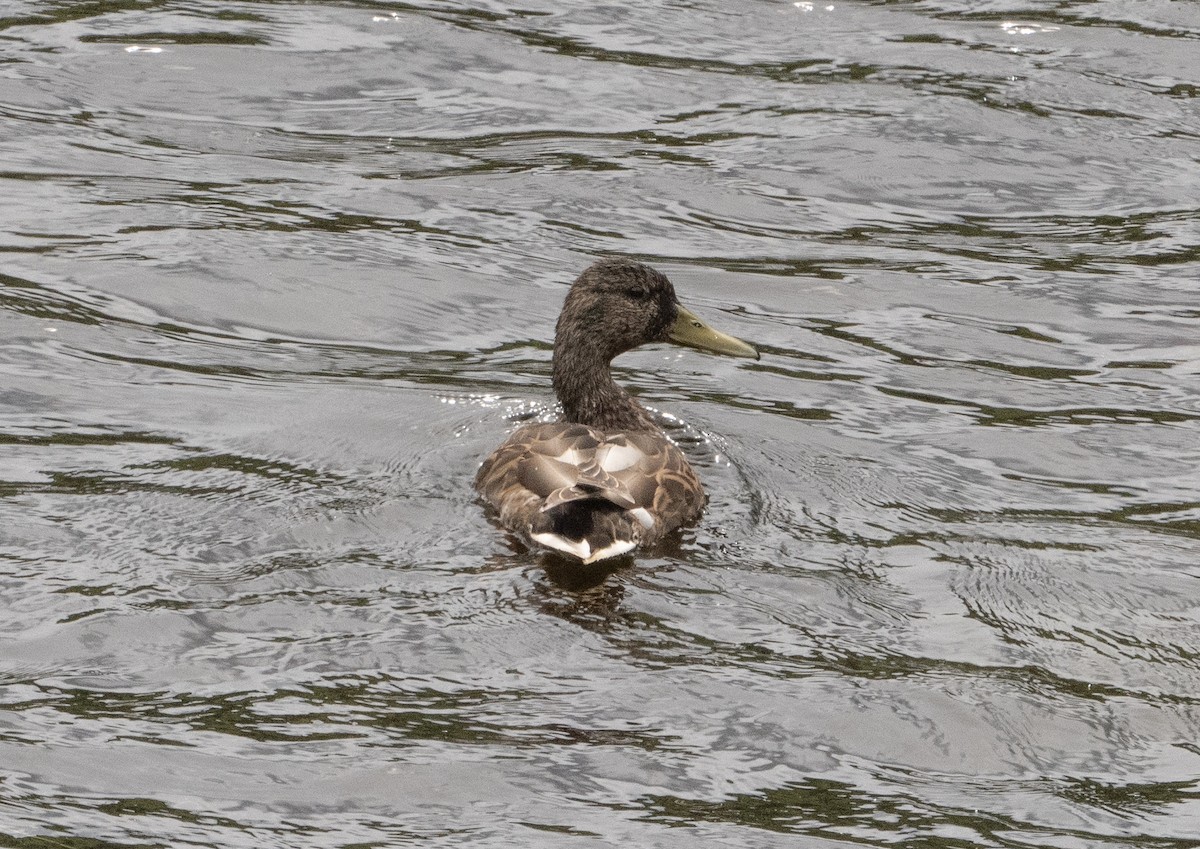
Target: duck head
point(618, 304)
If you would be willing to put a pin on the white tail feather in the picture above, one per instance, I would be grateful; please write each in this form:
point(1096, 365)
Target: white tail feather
point(579, 549)
point(614, 550)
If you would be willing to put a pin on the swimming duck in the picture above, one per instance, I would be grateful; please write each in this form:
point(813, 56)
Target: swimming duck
point(605, 478)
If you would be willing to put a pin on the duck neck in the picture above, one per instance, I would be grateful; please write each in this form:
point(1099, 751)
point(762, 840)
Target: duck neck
point(584, 385)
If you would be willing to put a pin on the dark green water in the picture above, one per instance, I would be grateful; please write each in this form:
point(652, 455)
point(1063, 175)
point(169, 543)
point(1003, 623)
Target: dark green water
point(275, 276)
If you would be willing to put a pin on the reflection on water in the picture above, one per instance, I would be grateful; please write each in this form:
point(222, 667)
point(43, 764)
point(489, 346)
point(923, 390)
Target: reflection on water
point(275, 278)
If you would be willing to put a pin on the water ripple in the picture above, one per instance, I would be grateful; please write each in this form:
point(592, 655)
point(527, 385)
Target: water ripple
point(277, 277)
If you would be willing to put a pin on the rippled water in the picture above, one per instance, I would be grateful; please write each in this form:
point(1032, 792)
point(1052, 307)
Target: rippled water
point(276, 275)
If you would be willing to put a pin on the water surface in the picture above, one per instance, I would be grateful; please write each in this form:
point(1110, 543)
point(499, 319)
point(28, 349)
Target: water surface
point(275, 276)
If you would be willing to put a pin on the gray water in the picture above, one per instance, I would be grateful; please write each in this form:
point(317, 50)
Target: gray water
point(276, 275)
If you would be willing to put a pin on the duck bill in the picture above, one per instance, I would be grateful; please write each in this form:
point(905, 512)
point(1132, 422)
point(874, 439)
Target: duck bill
point(691, 331)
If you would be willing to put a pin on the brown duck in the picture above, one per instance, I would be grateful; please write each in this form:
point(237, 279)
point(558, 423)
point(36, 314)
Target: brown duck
point(604, 479)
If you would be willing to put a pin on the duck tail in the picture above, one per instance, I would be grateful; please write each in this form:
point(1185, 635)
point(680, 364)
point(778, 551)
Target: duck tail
point(589, 526)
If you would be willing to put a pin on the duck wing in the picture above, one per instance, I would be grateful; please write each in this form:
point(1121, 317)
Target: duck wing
point(589, 493)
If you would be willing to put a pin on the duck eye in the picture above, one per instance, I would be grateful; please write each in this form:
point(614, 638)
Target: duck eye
point(636, 292)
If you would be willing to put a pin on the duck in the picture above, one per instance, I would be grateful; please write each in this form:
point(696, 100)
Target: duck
point(604, 479)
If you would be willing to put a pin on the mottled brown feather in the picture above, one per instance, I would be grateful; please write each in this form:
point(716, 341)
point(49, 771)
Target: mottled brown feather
point(661, 480)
